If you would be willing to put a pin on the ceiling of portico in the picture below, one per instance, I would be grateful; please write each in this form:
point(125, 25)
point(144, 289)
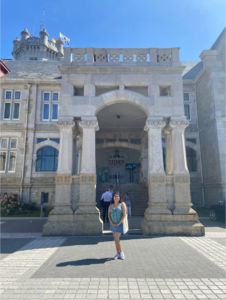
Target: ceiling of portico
point(132, 119)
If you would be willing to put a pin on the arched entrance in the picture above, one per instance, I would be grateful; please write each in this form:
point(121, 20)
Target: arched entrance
point(120, 142)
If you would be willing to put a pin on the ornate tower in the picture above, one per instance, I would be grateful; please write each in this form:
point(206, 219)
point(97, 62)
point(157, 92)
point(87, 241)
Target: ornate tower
point(34, 48)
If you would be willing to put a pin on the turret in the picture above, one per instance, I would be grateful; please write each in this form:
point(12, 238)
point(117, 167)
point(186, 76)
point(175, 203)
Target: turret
point(24, 35)
point(43, 37)
point(60, 48)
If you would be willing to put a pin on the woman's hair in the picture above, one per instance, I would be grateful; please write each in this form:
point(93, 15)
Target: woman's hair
point(112, 200)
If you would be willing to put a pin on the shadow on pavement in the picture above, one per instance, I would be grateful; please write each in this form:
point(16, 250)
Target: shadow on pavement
point(84, 262)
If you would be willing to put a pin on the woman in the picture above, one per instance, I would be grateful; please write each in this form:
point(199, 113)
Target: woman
point(116, 215)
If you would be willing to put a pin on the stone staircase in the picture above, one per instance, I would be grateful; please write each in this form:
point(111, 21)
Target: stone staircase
point(136, 190)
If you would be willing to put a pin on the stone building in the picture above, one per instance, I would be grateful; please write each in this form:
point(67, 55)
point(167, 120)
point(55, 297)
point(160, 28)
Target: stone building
point(75, 120)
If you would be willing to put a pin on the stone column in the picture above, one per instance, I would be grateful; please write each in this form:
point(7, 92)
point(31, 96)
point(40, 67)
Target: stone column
point(87, 213)
point(64, 171)
point(60, 217)
point(156, 174)
point(180, 171)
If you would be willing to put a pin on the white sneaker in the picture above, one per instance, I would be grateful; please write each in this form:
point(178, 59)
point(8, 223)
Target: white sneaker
point(117, 256)
point(122, 255)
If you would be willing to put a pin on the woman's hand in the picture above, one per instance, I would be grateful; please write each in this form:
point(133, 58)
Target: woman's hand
point(116, 225)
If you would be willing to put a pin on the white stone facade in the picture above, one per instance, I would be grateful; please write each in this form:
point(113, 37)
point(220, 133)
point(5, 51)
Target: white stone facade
point(126, 99)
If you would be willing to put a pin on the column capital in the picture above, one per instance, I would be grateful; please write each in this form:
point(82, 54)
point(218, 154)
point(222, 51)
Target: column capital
point(178, 124)
point(65, 124)
point(89, 124)
point(154, 124)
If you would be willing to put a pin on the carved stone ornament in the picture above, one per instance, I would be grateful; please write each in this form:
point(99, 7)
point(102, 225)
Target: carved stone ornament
point(63, 179)
point(179, 124)
point(182, 178)
point(89, 124)
point(160, 179)
point(87, 179)
point(154, 125)
point(65, 124)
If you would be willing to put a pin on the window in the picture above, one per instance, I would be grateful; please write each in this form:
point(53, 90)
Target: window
point(55, 140)
point(191, 159)
point(192, 140)
point(11, 106)
point(7, 110)
point(138, 89)
point(17, 95)
point(186, 97)
point(78, 90)
point(33, 58)
point(187, 111)
point(135, 141)
point(164, 91)
point(8, 95)
point(99, 141)
point(16, 110)
point(50, 109)
point(39, 140)
point(7, 156)
point(47, 159)
point(124, 140)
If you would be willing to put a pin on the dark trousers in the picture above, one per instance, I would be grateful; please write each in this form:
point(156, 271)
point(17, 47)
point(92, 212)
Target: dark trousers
point(105, 210)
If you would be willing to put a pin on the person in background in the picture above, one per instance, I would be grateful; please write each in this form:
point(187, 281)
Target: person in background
point(127, 199)
point(111, 189)
point(116, 215)
point(136, 172)
point(107, 196)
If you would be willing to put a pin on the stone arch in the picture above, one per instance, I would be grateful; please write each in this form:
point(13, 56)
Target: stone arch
point(118, 144)
point(125, 96)
point(46, 143)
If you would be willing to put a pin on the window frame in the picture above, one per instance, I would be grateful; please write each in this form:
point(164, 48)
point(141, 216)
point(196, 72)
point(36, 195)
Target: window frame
point(47, 92)
point(15, 94)
point(189, 111)
point(50, 102)
point(14, 138)
point(11, 95)
point(8, 160)
point(189, 97)
point(57, 101)
point(6, 138)
point(165, 86)
point(13, 111)
point(10, 111)
point(6, 150)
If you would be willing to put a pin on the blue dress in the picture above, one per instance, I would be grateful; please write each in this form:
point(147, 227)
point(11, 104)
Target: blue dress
point(116, 215)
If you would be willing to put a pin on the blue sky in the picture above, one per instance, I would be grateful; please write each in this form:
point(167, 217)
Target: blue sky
point(192, 25)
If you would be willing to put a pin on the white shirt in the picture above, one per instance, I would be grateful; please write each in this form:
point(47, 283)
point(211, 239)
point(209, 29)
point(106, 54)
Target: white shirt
point(107, 196)
point(111, 191)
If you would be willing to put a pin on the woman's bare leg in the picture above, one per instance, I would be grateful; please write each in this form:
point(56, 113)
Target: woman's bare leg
point(117, 241)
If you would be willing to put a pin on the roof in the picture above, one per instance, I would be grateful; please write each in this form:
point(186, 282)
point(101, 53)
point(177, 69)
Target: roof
point(217, 42)
point(192, 68)
point(4, 68)
point(45, 70)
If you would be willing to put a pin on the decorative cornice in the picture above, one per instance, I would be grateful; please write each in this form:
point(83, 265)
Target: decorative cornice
point(65, 124)
point(178, 124)
point(154, 125)
point(88, 124)
point(181, 178)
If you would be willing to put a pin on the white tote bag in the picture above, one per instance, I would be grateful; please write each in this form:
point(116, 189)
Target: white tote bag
point(125, 225)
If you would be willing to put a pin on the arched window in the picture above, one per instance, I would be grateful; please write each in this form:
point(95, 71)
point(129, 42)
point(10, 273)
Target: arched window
point(47, 159)
point(191, 159)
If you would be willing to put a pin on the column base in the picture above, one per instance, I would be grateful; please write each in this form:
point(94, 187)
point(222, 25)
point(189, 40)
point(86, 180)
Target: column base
point(77, 224)
point(177, 225)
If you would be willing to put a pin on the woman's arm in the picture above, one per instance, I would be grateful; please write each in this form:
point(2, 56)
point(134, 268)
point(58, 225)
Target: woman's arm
point(124, 211)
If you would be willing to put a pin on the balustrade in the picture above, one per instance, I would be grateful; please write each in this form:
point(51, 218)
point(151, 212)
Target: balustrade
point(111, 56)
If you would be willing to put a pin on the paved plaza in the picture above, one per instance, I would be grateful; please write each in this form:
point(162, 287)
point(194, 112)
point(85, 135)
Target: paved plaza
point(160, 267)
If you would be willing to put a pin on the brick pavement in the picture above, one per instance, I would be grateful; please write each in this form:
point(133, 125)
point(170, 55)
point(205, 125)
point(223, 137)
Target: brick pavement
point(38, 267)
